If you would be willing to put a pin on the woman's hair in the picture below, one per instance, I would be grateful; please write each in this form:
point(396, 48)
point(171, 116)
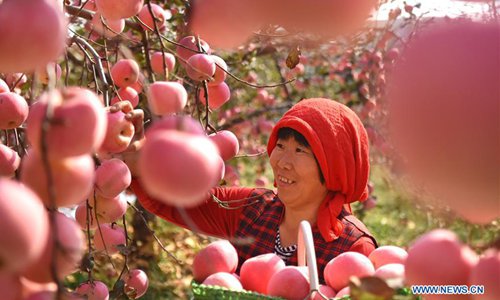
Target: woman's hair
point(286, 133)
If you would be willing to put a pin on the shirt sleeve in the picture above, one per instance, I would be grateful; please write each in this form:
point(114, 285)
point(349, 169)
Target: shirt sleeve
point(208, 217)
point(363, 245)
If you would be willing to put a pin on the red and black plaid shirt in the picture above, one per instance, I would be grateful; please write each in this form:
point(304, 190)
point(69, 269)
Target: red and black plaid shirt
point(252, 222)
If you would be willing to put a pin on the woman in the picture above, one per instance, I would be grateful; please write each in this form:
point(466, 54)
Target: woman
point(319, 155)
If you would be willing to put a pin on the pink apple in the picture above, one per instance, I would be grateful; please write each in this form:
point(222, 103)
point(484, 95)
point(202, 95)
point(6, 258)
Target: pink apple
point(227, 143)
point(161, 62)
point(108, 210)
point(200, 67)
point(189, 47)
point(13, 110)
point(136, 283)
point(112, 177)
point(343, 292)
point(224, 279)
point(180, 123)
point(114, 9)
point(178, 168)
point(159, 15)
point(81, 214)
point(33, 34)
point(107, 28)
point(167, 97)
point(487, 273)
point(10, 286)
point(72, 178)
point(108, 237)
point(256, 272)
point(388, 255)
point(21, 242)
point(9, 161)
point(451, 261)
point(217, 95)
point(290, 283)
point(338, 270)
point(65, 136)
point(218, 256)
point(220, 74)
point(127, 93)
point(125, 72)
point(68, 254)
point(119, 133)
point(391, 271)
point(95, 290)
point(326, 291)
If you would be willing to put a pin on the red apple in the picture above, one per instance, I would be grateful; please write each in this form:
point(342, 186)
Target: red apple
point(114, 9)
point(217, 95)
point(326, 291)
point(95, 290)
point(13, 110)
point(224, 279)
point(125, 72)
point(24, 226)
point(108, 237)
point(119, 133)
point(487, 273)
point(343, 292)
point(180, 123)
point(227, 143)
point(388, 255)
point(338, 270)
point(290, 283)
point(108, 210)
point(68, 254)
point(107, 28)
point(391, 271)
point(127, 93)
point(9, 161)
point(189, 47)
point(256, 272)
point(451, 262)
point(220, 74)
point(178, 168)
point(112, 177)
point(218, 256)
point(136, 283)
point(33, 33)
point(81, 214)
point(200, 67)
point(66, 136)
point(159, 14)
point(167, 97)
point(158, 59)
point(10, 286)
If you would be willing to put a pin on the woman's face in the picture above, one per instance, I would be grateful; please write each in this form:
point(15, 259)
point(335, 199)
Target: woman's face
point(296, 173)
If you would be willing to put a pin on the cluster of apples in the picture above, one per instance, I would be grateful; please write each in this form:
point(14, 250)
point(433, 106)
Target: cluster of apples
point(435, 258)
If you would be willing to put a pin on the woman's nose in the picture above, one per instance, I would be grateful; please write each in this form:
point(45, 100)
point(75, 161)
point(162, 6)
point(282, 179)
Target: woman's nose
point(285, 161)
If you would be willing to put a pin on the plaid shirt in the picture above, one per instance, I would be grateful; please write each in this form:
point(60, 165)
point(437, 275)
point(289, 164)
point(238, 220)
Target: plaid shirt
point(259, 224)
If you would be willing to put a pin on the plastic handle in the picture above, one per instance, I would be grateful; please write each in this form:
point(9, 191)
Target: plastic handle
point(306, 253)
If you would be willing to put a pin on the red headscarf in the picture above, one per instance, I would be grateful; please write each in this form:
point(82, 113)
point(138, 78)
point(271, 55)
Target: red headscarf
point(339, 142)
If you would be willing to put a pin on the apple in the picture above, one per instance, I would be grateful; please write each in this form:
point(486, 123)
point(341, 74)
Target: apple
point(126, 93)
point(21, 242)
point(326, 291)
point(226, 142)
point(119, 133)
point(188, 46)
point(343, 292)
point(388, 255)
point(200, 67)
point(95, 290)
point(66, 136)
point(158, 59)
point(167, 97)
point(290, 283)
point(10, 286)
point(67, 255)
point(220, 74)
point(81, 214)
point(178, 168)
point(136, 283)
point(224, 279)
point(218, 256)
point(72, 178)
point(217, 95)
point(391, 271)
point(125, 72)
point(109, 29)
point(256, 272)
point(486, 273)
point(180, 123)
point(9, 161)
point(33, 33)
point(3, 86)
point(159, 15)
point(451, 262)
point(13, 110)
point(113, 9)
point(108, 237)
point(108, 210)
point(112, 177)
point(338, 270)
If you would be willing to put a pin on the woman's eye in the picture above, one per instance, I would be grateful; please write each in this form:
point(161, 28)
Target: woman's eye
point(279, 145)
point(299, 150)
